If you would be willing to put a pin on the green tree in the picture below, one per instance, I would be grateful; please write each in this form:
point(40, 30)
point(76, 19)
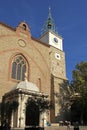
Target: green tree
point(7, 108)
point(42, 103)
point(79, 85)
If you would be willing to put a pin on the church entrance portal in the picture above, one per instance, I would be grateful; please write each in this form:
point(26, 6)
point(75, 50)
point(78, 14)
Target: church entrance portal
point(32, 114)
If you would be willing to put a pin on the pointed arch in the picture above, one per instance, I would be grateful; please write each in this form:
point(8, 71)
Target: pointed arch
point(19, 66)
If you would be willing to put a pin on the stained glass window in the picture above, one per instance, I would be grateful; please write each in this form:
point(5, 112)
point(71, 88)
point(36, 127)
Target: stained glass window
point(19, 66)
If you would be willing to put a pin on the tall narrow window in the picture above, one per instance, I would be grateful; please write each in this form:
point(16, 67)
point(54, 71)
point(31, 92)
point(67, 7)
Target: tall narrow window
point(19, 67)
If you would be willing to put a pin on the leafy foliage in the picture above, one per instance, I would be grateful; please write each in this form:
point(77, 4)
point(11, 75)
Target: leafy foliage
point(41, 103)
point(79, 84)
point(6, 108)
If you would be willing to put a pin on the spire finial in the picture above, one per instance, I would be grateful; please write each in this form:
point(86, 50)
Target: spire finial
point(49, 24)
point(49, 12)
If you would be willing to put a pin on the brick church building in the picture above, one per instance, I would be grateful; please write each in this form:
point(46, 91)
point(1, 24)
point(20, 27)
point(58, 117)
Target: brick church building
point(32, 66)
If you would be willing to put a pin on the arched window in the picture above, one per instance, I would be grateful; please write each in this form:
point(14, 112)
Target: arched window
point(19, 68)
point(24, 27)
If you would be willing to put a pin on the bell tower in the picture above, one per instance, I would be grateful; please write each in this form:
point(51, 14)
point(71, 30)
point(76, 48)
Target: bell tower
point(51, 37)
point(57, 56)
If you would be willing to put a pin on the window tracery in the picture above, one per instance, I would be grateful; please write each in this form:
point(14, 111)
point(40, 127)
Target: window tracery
point(19, 68)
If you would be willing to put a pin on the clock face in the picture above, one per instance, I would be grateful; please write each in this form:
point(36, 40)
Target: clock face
point(55, 40)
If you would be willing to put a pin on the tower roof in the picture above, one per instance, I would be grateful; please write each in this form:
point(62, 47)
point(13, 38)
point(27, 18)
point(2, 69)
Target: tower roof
point(49, 23)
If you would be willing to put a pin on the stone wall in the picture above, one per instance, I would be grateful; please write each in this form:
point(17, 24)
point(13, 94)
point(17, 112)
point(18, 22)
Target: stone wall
point(19, 41)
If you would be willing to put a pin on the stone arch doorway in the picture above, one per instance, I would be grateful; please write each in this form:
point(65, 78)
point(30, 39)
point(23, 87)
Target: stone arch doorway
point(32, 114)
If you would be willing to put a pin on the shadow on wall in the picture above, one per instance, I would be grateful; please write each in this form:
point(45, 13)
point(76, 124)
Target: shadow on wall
point(63, 100)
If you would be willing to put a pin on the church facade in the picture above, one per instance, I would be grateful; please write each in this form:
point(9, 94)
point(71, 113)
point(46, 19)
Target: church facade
point(42, 60)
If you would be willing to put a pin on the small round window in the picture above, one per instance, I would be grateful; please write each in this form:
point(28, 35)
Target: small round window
point(57, 56)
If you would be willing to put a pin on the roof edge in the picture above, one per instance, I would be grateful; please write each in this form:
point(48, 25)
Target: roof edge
point(8, 26)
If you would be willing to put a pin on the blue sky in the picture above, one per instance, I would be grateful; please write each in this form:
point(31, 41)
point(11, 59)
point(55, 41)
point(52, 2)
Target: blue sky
point(70, 17)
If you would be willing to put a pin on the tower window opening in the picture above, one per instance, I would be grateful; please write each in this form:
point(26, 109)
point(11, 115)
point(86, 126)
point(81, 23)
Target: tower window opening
point(49, 26)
